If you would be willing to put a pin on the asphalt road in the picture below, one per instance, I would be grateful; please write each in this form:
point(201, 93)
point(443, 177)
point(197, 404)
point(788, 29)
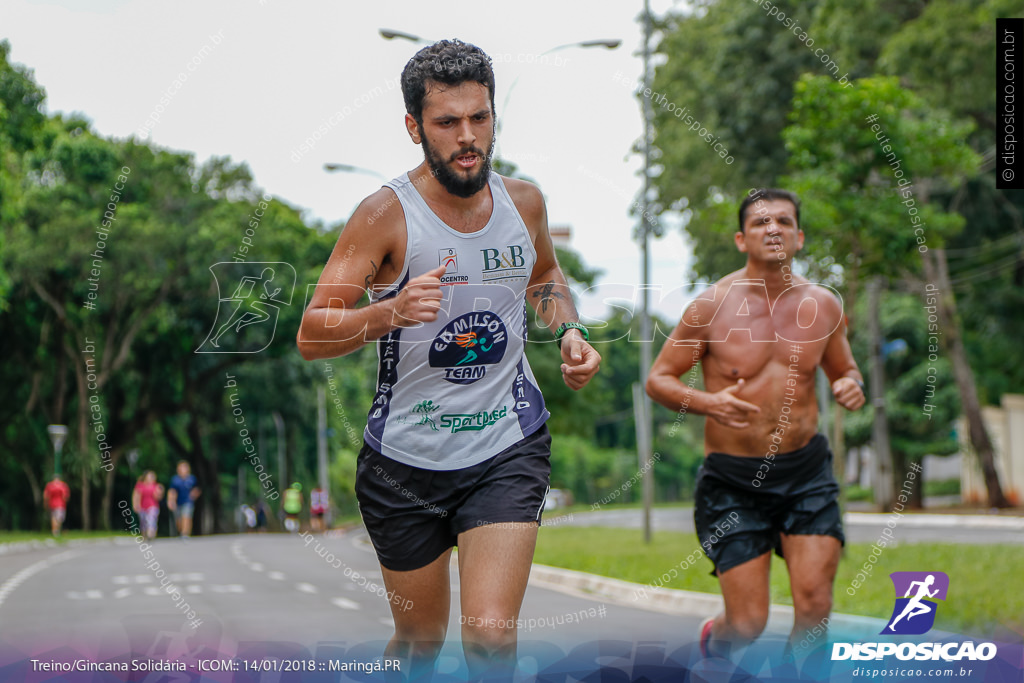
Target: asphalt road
point(860, 527)
point(255, 596)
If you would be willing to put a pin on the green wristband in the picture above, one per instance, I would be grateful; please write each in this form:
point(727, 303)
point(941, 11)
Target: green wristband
point(565, 327)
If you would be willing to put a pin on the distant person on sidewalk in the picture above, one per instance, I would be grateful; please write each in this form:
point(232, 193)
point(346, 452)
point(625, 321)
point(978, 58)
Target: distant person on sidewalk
point(181, 498)
point(317, 508)
point(146, 502)
point(56, 494)
point(292, 507)
point(759, 335)
point(261, 516)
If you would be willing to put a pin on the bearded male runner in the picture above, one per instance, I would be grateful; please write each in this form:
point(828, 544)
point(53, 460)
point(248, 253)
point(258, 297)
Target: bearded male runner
point(456, 449)
point(766, 483)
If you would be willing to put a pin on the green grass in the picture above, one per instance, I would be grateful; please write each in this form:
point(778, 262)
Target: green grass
point(943, 487)
point(21, 536)
point(983, 595)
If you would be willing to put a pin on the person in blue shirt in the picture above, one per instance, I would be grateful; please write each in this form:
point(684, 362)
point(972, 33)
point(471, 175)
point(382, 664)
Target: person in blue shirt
point(181, 496)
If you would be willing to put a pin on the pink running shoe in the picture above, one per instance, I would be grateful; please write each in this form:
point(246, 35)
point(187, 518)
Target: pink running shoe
point(705, 636)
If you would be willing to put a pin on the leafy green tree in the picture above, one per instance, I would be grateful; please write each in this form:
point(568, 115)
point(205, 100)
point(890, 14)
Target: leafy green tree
point(870, 155)
point(913, 382)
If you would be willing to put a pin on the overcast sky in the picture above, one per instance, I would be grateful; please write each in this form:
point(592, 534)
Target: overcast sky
point(262, 76)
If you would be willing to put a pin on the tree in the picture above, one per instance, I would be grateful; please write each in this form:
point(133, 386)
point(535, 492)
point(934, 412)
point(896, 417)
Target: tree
point(862, 154)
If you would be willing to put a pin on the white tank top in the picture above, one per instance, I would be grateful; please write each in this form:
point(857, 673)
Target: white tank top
point(457, 391)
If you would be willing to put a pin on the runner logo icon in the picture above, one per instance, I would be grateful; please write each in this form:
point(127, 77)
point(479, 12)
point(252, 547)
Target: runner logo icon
point(914, 612)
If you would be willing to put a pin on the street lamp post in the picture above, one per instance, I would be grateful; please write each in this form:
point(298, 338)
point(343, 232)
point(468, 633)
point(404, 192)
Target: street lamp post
point(644, 426)
point(58, 434)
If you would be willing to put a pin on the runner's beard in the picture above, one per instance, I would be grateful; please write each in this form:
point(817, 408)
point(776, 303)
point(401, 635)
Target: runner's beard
point(457, 184)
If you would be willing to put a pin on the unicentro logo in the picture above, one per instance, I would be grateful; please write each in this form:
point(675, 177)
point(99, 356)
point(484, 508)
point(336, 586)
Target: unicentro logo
point(914, 613)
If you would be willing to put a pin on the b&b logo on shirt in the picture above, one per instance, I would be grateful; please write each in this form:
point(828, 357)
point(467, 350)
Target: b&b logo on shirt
point(504, 265)
point(467, 344)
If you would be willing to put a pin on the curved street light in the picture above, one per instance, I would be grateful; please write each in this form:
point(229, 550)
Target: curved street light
point(388, 34)
point(609, 44)
point(349, 168)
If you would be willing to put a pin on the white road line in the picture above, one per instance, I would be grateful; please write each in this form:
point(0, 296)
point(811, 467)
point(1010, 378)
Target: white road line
point(256, 567)
point(387, 622)
point(151, 590)
point(8, 586)
point(121, 579)
point(122, 592)
point(276, 576)
point(193, 589)
point(345, 603)
point(85, 595)
point(306, 587)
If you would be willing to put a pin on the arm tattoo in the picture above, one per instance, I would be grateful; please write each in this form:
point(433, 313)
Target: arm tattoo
point(547, 293)
point(368, 281)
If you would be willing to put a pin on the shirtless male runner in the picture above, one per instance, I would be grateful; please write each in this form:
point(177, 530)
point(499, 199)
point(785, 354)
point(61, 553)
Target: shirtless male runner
point(766, 482)
point(456, 448)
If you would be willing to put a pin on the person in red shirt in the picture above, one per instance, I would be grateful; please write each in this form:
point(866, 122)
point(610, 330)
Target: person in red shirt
point(56, 495)
point(146, 502)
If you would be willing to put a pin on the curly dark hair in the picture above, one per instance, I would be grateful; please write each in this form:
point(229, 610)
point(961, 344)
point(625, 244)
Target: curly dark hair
point(768, 195)
point(450, 62)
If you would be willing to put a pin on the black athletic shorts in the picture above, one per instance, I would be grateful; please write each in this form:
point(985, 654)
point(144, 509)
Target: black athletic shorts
point(739, 516)
point(413, 515)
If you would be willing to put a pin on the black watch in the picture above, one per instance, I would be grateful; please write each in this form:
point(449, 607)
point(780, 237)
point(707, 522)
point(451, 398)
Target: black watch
point(565, 327)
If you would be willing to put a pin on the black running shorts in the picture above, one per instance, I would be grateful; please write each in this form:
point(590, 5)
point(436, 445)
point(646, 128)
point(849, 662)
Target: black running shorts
point(740, 515)
point(412, 515)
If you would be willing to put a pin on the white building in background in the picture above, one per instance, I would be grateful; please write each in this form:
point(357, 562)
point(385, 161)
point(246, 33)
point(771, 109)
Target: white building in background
point(1005, 426)
point(561, 235)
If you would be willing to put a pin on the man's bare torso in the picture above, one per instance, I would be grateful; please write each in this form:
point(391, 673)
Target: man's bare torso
point(773, 341)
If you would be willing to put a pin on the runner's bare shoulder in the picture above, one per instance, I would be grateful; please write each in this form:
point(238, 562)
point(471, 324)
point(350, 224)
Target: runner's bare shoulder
point(829, 301)
point(375, 237)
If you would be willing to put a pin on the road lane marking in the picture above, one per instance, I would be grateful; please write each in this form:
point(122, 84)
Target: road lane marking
point(345, 603)
point(276, 576)
point(306, 587)
point(8, 586)
point(122, 592)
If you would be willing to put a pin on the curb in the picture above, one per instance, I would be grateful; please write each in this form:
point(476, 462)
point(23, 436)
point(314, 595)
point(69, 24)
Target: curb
point(49, 544)
point(679, 602)
point(944, 521)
